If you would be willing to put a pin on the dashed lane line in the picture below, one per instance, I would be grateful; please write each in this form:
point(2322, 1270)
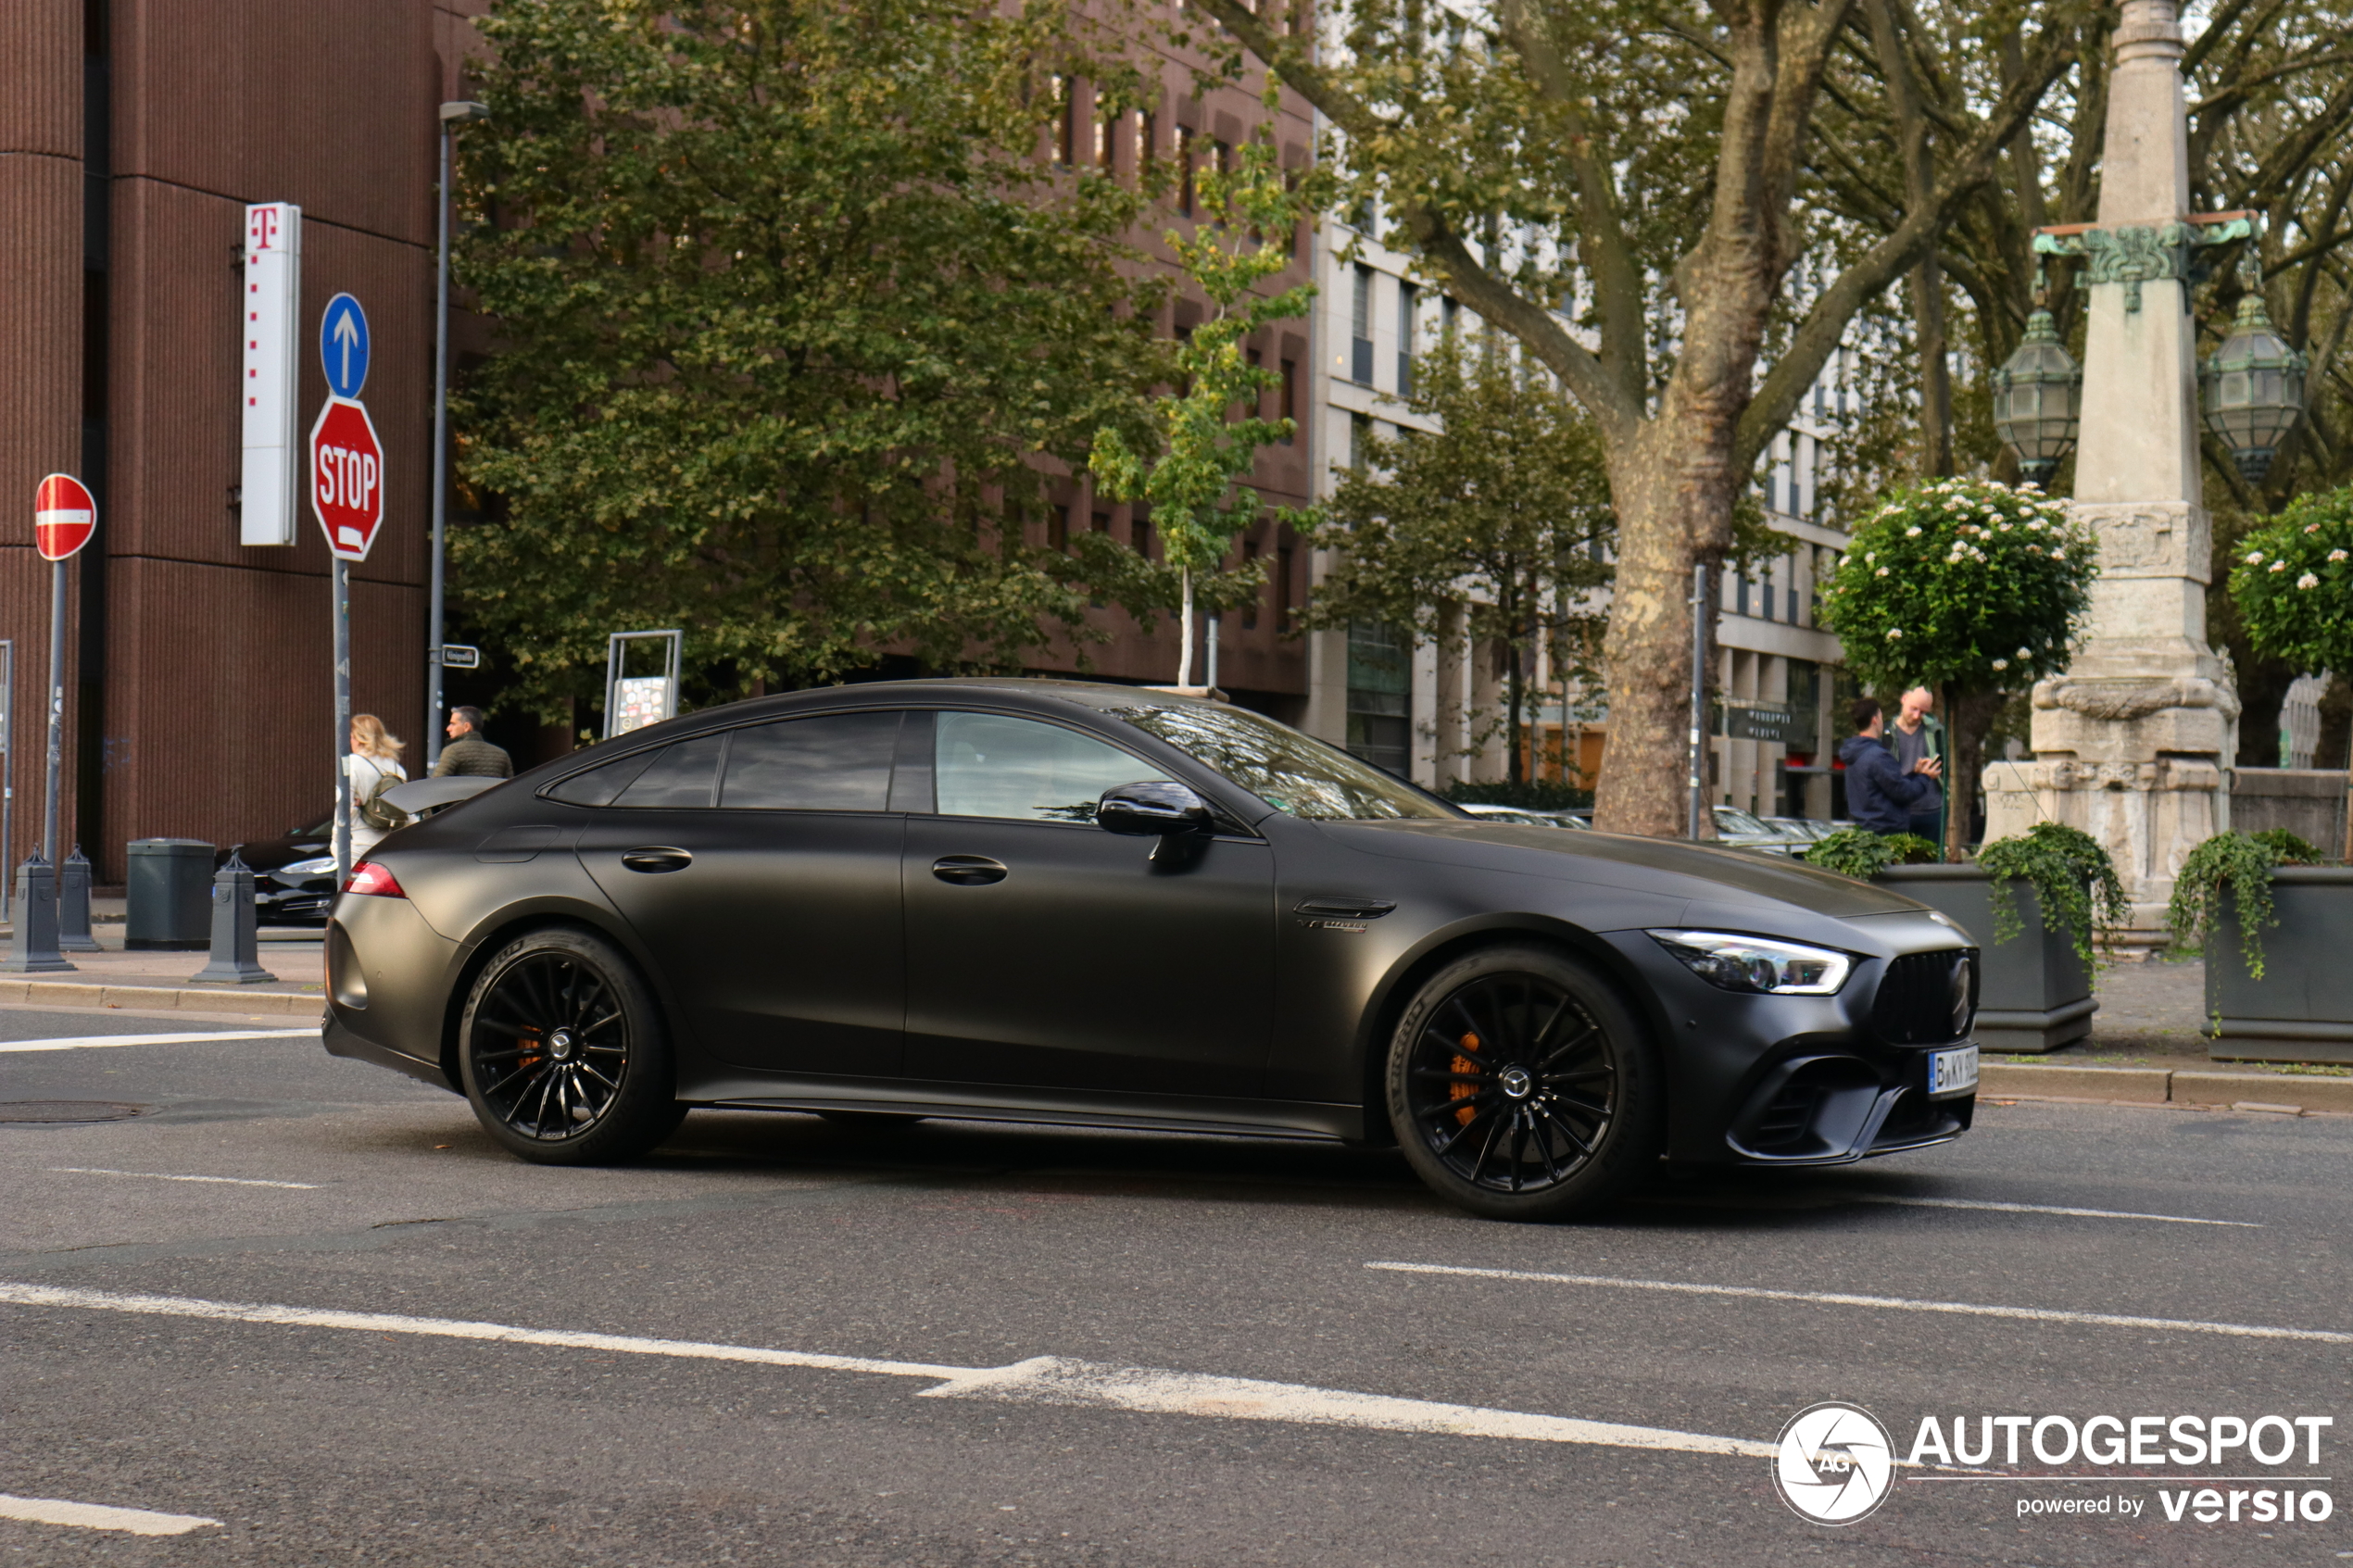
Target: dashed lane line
point(161, 1176)
point(94, 1042)
point(1889, 1303)
point(1049, 1380)
point(2040, 1209)
point(96, 1516)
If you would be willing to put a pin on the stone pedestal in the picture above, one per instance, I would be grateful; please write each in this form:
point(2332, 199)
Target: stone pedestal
point(2134, 743)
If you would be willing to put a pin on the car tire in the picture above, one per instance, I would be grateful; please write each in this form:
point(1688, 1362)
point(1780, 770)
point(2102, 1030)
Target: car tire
point(1522, 1086)
point(562, 1053)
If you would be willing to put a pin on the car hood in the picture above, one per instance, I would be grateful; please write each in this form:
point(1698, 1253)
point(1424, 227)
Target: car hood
point(1702, 872)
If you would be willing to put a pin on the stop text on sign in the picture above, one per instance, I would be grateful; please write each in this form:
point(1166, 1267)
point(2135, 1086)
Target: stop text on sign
point(348, 478)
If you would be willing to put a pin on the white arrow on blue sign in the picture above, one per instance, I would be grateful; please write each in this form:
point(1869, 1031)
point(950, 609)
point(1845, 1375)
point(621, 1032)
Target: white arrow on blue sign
point(343, 347)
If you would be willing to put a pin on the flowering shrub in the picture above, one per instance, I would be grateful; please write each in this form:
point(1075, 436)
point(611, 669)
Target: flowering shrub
point(2293, 582)
point(1962, 583)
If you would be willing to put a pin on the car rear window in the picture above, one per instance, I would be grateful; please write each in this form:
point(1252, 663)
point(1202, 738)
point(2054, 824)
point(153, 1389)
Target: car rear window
point(837, 762)
point(598, 785)
point(682, 775)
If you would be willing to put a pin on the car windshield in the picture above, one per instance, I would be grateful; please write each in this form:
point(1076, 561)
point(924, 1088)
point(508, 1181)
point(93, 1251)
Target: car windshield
point(1293, 773)
point(1731, 818)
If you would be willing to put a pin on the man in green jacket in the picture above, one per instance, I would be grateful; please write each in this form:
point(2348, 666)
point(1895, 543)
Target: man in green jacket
point(467, 755)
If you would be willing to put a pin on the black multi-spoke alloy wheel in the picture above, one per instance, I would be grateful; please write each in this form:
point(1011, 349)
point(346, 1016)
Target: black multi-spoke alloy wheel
point(562, 1052)
point(1521, 1088)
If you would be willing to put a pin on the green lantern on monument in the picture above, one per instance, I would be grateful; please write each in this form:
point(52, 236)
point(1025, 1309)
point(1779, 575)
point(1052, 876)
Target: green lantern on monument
point(2038, 396)
point(2252, 388)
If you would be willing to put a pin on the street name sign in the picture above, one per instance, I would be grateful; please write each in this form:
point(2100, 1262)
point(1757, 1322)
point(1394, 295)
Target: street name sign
point(64, 516)
point(347, 478)
point(343, 347)
point(268, 390)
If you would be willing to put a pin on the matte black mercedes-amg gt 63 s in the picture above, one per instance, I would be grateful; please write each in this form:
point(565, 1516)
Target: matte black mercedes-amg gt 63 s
point(1105, 905)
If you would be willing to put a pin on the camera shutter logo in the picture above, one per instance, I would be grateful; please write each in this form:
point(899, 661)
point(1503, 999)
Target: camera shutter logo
point(1834, 1464)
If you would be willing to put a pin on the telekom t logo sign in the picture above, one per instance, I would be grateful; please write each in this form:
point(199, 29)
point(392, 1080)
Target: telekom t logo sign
point(261, 227)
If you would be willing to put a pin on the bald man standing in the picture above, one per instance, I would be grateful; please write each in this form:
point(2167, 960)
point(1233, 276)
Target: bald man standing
point(1915, 736)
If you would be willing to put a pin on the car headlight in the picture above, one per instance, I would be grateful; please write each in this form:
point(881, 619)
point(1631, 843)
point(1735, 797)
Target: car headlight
point(318, 865)
point(1758, 964)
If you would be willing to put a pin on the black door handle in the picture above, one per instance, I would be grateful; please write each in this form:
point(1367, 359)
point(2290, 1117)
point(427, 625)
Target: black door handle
point(968, 871)
point(654, 858)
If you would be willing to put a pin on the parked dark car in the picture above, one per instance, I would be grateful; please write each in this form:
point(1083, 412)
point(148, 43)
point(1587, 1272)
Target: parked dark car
point(294, 874)
point(1095, 905)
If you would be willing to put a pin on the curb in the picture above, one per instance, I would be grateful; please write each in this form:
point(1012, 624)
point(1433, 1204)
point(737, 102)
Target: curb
point(2285, 1093)
point(163, 998)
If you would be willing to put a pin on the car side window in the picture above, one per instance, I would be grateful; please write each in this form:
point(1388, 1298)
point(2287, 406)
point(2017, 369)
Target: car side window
point(835, 763)
point(682, 775)
point(598, 785)
point(988, 765)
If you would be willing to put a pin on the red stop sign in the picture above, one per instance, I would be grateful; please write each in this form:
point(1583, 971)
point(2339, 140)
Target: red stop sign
point(347, 478)
point(64, 516)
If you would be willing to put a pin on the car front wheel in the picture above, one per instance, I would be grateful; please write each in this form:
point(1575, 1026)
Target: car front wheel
point(562, 1052)
point(1522, 1087)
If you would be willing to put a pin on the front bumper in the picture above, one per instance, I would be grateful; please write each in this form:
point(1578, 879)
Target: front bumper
point(1795, 1081)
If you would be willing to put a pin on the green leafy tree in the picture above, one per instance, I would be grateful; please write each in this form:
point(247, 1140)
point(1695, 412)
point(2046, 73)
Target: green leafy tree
point(795, 324)
point(1971, 589)
point(2293, 584)
point(1189, 472)
point(1493, 529)
point(1619, 187)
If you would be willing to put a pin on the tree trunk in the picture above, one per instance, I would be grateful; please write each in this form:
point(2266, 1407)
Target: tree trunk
point(1968, 719)
point(1936, 369)
point(1185, 626)
point(1674, 510)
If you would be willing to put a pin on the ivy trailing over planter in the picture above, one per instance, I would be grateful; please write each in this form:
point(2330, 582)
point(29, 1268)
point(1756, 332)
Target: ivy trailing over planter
point(1862, 854)
point(2242, 864)
point(2073, 879)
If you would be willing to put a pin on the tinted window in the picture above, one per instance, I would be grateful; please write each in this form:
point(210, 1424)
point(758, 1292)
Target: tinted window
point(1289, 771)
point(600, 785)
point(840, 763)
point(990, 766)
point(682, 775)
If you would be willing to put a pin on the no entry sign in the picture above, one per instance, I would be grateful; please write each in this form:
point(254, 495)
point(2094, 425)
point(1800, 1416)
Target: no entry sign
point(347, 478)
point(64, 516)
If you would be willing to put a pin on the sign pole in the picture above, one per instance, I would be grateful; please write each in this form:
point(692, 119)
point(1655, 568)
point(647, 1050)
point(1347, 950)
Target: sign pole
point(341, 580)
point(56, 707)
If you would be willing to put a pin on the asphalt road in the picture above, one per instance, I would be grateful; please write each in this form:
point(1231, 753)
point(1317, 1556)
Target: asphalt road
point(940, 1263)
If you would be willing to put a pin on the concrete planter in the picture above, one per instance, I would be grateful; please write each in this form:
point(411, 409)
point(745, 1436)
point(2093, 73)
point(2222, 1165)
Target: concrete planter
point(2302, 1008)
point(2034, 992)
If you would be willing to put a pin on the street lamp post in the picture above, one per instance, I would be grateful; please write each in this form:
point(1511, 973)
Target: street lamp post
point(452, 116)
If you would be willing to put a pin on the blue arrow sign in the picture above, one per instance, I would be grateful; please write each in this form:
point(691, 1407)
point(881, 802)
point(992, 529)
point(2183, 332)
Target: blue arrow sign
point(343, 347)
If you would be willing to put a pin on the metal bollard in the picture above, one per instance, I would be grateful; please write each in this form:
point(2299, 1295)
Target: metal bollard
point(73, 905)
point(33, 947)
point(236, 931)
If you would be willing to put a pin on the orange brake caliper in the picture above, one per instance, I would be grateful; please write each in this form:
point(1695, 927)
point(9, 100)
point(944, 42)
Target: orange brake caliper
point(1464, 1091)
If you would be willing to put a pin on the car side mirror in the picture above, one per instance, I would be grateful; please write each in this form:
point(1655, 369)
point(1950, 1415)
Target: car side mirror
point(1154, 808)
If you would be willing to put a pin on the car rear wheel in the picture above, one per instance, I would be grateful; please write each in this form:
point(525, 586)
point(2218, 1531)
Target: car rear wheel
point(562, 1052)
point(1522, 1087)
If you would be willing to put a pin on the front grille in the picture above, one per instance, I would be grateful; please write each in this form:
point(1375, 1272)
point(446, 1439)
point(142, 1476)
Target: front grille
point(1927, 998)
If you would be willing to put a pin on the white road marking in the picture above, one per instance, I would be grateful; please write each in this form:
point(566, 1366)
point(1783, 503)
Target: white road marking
point(159, 1176)
point(1040, 1380)
point(2040, 1209)
point(92, 1042)
point(1891, 1303)
point(95, 1516)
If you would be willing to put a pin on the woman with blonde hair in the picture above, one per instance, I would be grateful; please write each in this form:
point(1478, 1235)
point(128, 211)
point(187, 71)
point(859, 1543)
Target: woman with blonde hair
point(372, 767)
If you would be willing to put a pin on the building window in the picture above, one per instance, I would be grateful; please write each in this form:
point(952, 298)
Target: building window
point(1139, 532)
point(1102, 522)
point(1250, 616)
point(1380, 717)
point(1185, 170)
point(1740, 601)
point(1360, 434)
point(1146, 131)
point(1288, 392)
point(1058, 528)
point(1408, 305)
point(1282, 587)
point(1361, 326)
point(1765, 595)
point(1066, 123)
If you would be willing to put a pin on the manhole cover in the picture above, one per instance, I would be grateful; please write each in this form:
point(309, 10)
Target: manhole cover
point(66, 1110)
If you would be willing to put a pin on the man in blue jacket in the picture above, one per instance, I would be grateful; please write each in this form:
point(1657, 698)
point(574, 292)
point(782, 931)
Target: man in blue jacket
point(1882, 794)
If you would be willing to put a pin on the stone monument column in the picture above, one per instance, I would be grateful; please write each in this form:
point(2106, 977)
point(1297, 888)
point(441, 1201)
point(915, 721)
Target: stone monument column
point(2135, 743)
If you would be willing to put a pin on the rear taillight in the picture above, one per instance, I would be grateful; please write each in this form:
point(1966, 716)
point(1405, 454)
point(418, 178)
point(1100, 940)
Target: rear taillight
point(369, 877)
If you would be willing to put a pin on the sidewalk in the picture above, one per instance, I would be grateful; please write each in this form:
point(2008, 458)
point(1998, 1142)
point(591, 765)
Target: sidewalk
point(295, 955)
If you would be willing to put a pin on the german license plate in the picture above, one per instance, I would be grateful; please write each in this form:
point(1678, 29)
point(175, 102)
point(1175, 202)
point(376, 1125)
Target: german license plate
point(1952, 1073)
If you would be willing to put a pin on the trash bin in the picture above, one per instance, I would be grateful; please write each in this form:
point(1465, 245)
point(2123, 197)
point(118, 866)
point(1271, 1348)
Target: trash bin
point(168, 894)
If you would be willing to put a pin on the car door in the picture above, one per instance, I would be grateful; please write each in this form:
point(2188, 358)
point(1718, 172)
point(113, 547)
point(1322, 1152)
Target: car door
point(1044, 951)
point(760, 867)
